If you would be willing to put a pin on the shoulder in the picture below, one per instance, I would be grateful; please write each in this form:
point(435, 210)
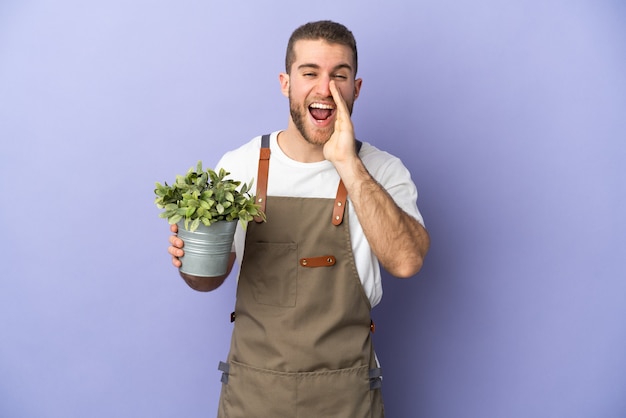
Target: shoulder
point(381, 164)
point(391, 173)
point(241, 161)
point(249, 149)
point(374, 155)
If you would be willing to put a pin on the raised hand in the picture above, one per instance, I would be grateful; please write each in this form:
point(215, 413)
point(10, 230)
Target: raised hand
point(340, 146)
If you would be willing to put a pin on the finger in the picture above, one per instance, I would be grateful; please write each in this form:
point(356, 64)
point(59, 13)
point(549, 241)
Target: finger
point(174, 228)
point(175, 251)
point(342, 108)
point(176, 262)
point(343, 122)
point(176, 242)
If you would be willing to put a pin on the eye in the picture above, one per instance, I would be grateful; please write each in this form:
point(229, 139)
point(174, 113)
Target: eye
point(308, 75)
point(341, 77)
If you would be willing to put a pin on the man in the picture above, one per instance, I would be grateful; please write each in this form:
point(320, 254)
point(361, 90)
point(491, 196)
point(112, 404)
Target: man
point(309, 276)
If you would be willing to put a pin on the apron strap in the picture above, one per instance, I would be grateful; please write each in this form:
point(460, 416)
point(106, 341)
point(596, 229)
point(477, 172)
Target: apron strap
point(261, 178)
point(376, 379)
point(225, 369)
point(261, 183)
point(342, 196)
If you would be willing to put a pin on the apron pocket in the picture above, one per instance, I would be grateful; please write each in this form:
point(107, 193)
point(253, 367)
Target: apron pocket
point(277, 285)
point(335, 393)
point(251, 392)
point(257, 393)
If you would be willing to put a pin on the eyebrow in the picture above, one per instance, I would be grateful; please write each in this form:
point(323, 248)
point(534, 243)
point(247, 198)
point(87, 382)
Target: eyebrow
point(317, 67)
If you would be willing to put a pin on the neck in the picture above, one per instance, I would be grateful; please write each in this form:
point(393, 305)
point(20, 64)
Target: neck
point(293, 144)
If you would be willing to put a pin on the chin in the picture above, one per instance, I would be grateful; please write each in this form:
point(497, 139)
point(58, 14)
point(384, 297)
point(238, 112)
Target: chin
point(318, 137)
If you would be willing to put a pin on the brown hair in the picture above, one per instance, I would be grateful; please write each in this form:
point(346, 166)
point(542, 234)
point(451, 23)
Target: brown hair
point(331, 32)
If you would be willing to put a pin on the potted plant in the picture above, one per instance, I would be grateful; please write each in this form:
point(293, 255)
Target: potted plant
point(206, 206)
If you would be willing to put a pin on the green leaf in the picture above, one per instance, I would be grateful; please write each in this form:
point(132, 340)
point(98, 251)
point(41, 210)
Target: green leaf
point(203, 180)
point(205, 197)
point(190, 211)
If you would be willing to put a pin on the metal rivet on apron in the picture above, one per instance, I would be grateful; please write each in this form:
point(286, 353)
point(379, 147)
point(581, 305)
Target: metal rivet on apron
point(303, 261)
point(260, 199)
point(337, 217)
point(338, 203)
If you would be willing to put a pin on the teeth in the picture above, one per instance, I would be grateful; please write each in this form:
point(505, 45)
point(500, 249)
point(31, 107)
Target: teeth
point(322, 106)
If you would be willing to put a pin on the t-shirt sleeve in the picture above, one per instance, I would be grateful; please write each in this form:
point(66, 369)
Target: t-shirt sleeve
point(393, 176)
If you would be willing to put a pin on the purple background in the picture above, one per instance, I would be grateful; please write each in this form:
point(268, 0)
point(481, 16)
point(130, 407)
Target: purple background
point(510, 115)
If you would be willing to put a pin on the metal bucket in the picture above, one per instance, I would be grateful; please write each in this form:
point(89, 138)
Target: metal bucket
point(207, 249)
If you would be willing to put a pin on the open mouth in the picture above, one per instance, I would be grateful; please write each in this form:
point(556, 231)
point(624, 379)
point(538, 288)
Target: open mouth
point(321, 111)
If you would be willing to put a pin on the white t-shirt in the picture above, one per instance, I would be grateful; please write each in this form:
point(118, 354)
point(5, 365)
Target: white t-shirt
point(288, 177)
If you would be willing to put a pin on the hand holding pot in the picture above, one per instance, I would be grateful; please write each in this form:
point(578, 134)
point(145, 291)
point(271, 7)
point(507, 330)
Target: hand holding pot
point(176, 246)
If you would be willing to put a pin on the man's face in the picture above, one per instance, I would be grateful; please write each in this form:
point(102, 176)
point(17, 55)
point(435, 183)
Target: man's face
point(312, 108)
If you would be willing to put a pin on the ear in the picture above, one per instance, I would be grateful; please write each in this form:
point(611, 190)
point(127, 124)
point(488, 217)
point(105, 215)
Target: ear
point(357, 87)
point(283, 78)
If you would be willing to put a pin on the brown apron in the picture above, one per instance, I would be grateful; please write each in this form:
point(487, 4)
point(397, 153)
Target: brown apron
point(301, 344)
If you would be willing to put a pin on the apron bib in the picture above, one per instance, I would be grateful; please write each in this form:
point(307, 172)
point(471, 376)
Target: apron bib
point(301, 344)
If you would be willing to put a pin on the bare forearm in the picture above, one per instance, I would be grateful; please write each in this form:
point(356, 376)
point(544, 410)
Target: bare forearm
point(398, 240)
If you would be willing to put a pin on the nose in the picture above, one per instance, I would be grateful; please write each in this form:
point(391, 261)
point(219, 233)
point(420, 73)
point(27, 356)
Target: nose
point(323, 86)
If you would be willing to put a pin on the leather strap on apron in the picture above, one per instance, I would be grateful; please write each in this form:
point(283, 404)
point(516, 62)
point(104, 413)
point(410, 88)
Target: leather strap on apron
point(262, 175)
point(261, 178)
